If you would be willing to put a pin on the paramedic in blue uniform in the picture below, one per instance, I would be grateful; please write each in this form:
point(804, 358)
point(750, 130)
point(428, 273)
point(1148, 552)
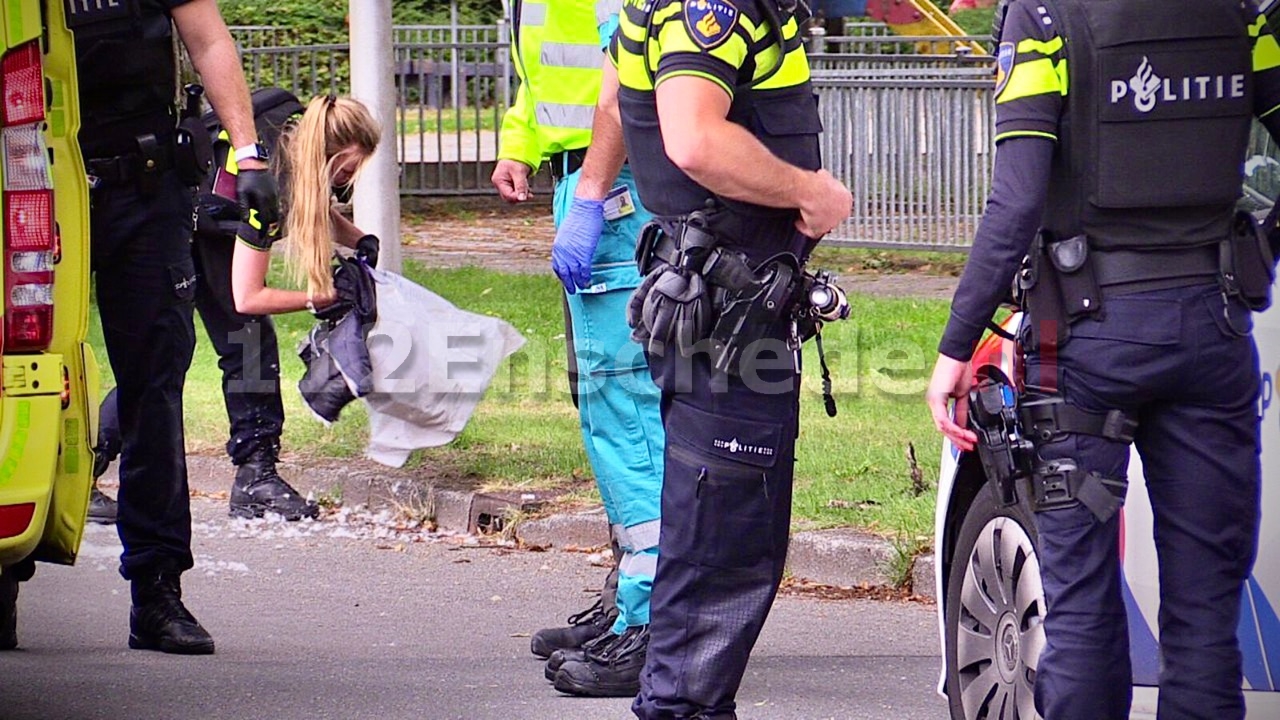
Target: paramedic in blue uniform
point(141, 230)
point(1122, 129)
point(716, 116)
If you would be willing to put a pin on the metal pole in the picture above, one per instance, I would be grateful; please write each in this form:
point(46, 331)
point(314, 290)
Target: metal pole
point(454, 51)
point(377, 196)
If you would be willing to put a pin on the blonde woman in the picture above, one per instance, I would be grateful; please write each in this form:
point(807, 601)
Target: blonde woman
point(321, 155)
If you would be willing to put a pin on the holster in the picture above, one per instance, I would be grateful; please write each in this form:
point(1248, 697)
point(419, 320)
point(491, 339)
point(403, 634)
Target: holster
point(192, 152)
point(1059, 286)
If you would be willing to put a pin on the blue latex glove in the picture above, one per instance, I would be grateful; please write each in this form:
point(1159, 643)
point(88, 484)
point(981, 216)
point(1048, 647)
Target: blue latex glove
point(576, 242)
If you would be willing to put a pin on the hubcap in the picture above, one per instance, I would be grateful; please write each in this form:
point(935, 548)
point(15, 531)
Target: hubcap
point(1000, 633)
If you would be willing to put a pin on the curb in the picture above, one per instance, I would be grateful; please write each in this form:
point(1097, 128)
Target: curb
point(842, 557)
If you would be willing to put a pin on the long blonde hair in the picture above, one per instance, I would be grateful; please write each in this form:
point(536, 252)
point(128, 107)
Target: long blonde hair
point(329, 126)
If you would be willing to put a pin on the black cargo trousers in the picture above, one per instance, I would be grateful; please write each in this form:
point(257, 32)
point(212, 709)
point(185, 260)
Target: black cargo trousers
point(146, 282)
point(248, 353)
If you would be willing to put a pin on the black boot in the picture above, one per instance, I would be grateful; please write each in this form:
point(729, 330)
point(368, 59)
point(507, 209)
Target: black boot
point(8, 611)
point(102, 509)
point(259, 489)
point(578, 654)
point(159, 621)
point(610, 671)
point(590, 623)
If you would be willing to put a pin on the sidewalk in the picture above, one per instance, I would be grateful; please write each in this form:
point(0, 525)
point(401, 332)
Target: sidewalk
point(841, 557)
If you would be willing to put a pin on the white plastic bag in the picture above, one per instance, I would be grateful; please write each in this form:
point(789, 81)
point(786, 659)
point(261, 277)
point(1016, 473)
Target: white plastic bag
point(431, 365)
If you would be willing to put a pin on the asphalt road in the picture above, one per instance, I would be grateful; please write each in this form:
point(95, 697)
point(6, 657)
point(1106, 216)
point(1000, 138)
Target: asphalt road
point(354, 620)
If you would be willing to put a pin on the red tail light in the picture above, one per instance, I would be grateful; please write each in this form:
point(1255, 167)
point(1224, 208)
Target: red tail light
point(15, 519)
point(29, 234)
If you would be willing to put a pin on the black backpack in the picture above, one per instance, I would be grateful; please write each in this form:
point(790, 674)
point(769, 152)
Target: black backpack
point(218, 216)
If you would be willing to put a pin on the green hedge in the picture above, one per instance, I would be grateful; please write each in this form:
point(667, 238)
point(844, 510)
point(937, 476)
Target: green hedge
point(325, 21)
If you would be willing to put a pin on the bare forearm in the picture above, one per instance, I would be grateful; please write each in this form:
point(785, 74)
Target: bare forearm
point(345, 232)
point(604, 158)
point(214, 56)
point(732, 163)
point(271, 301)
point(607, 152)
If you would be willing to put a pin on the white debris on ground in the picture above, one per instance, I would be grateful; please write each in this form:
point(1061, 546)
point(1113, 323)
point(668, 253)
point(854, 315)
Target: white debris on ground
point(387, 528)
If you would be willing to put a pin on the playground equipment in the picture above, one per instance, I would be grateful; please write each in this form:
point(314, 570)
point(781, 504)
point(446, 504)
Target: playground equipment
point(912, 18)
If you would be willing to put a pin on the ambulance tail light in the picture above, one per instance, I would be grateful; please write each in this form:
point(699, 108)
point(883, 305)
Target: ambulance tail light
point(30, 242)
point(15, 519)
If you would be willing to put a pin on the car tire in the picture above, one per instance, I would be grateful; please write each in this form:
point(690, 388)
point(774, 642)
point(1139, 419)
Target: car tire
point(994, 613)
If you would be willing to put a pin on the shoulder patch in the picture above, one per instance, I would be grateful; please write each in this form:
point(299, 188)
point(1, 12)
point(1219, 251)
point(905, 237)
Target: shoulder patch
point(709, 22)
point(1004, 65)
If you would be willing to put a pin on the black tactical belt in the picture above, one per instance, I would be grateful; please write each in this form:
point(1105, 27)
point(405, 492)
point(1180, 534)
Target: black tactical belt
point(566, 163)
point(1127, 271)
point(722, 267)
point(129, 169)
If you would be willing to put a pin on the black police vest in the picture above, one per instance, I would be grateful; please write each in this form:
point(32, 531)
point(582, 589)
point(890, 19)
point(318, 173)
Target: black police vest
point(127, 71)
point(1156, 126)
point(785, 120)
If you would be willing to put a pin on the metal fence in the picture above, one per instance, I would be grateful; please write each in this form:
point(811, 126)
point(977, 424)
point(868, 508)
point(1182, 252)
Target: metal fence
point(912, 135)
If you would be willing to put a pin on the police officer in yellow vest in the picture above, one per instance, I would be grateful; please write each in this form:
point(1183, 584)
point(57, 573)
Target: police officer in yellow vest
point(721, 126)
point(1122, 127)
point(559, 55)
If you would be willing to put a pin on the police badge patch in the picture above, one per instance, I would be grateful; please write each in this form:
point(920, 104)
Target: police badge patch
point(1004, 65)
point(709, 22)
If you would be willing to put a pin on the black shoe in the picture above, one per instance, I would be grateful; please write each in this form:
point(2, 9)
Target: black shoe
point(578, 654)
point(611, 671)
point(259, 490)
point(8, 611)
point(586, 625)
point(159, 621)
point(102, 509)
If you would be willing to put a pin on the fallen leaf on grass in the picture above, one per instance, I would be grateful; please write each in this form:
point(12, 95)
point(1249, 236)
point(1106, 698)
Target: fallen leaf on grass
point(851, 504)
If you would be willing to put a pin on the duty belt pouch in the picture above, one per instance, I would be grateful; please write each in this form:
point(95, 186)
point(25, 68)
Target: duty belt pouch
point(650, 234)
point(1248, 266)
point(151, 162)
point(1077, 284)
point(192, 152)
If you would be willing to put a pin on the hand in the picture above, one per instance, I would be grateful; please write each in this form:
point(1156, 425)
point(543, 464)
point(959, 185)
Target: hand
point(367, 249)
point(575, 243)
point(825, 205)
point(256, 190)
point(951, 380)
point(511, 178)
point(321, 302)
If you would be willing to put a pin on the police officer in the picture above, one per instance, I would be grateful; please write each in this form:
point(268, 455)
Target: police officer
point(249, 357)
point(721, 126)
point(559, 46)
point(141, 225)
point(1137, 328)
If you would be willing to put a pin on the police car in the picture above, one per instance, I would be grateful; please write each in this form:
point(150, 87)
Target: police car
point(48, 408)
point(991, 603)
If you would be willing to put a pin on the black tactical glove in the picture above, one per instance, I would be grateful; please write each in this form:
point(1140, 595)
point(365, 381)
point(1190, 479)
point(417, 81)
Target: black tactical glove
point(367, 249)
point(256, 190)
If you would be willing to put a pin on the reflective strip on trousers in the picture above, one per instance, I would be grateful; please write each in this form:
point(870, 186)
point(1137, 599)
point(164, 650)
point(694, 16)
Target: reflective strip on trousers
point(605, 8)
point(533, 14)
point(644, 535)
point(572, 55)
point(564, 116)
point(620, 536)
point(641, 565)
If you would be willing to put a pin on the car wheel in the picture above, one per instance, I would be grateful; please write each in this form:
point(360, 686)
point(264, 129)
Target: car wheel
point(994, 614)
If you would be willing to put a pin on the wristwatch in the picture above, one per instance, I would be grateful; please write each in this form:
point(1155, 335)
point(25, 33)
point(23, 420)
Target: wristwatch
point(256, 151)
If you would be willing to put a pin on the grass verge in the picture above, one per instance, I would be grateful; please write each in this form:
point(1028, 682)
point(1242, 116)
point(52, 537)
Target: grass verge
point(851, 470)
